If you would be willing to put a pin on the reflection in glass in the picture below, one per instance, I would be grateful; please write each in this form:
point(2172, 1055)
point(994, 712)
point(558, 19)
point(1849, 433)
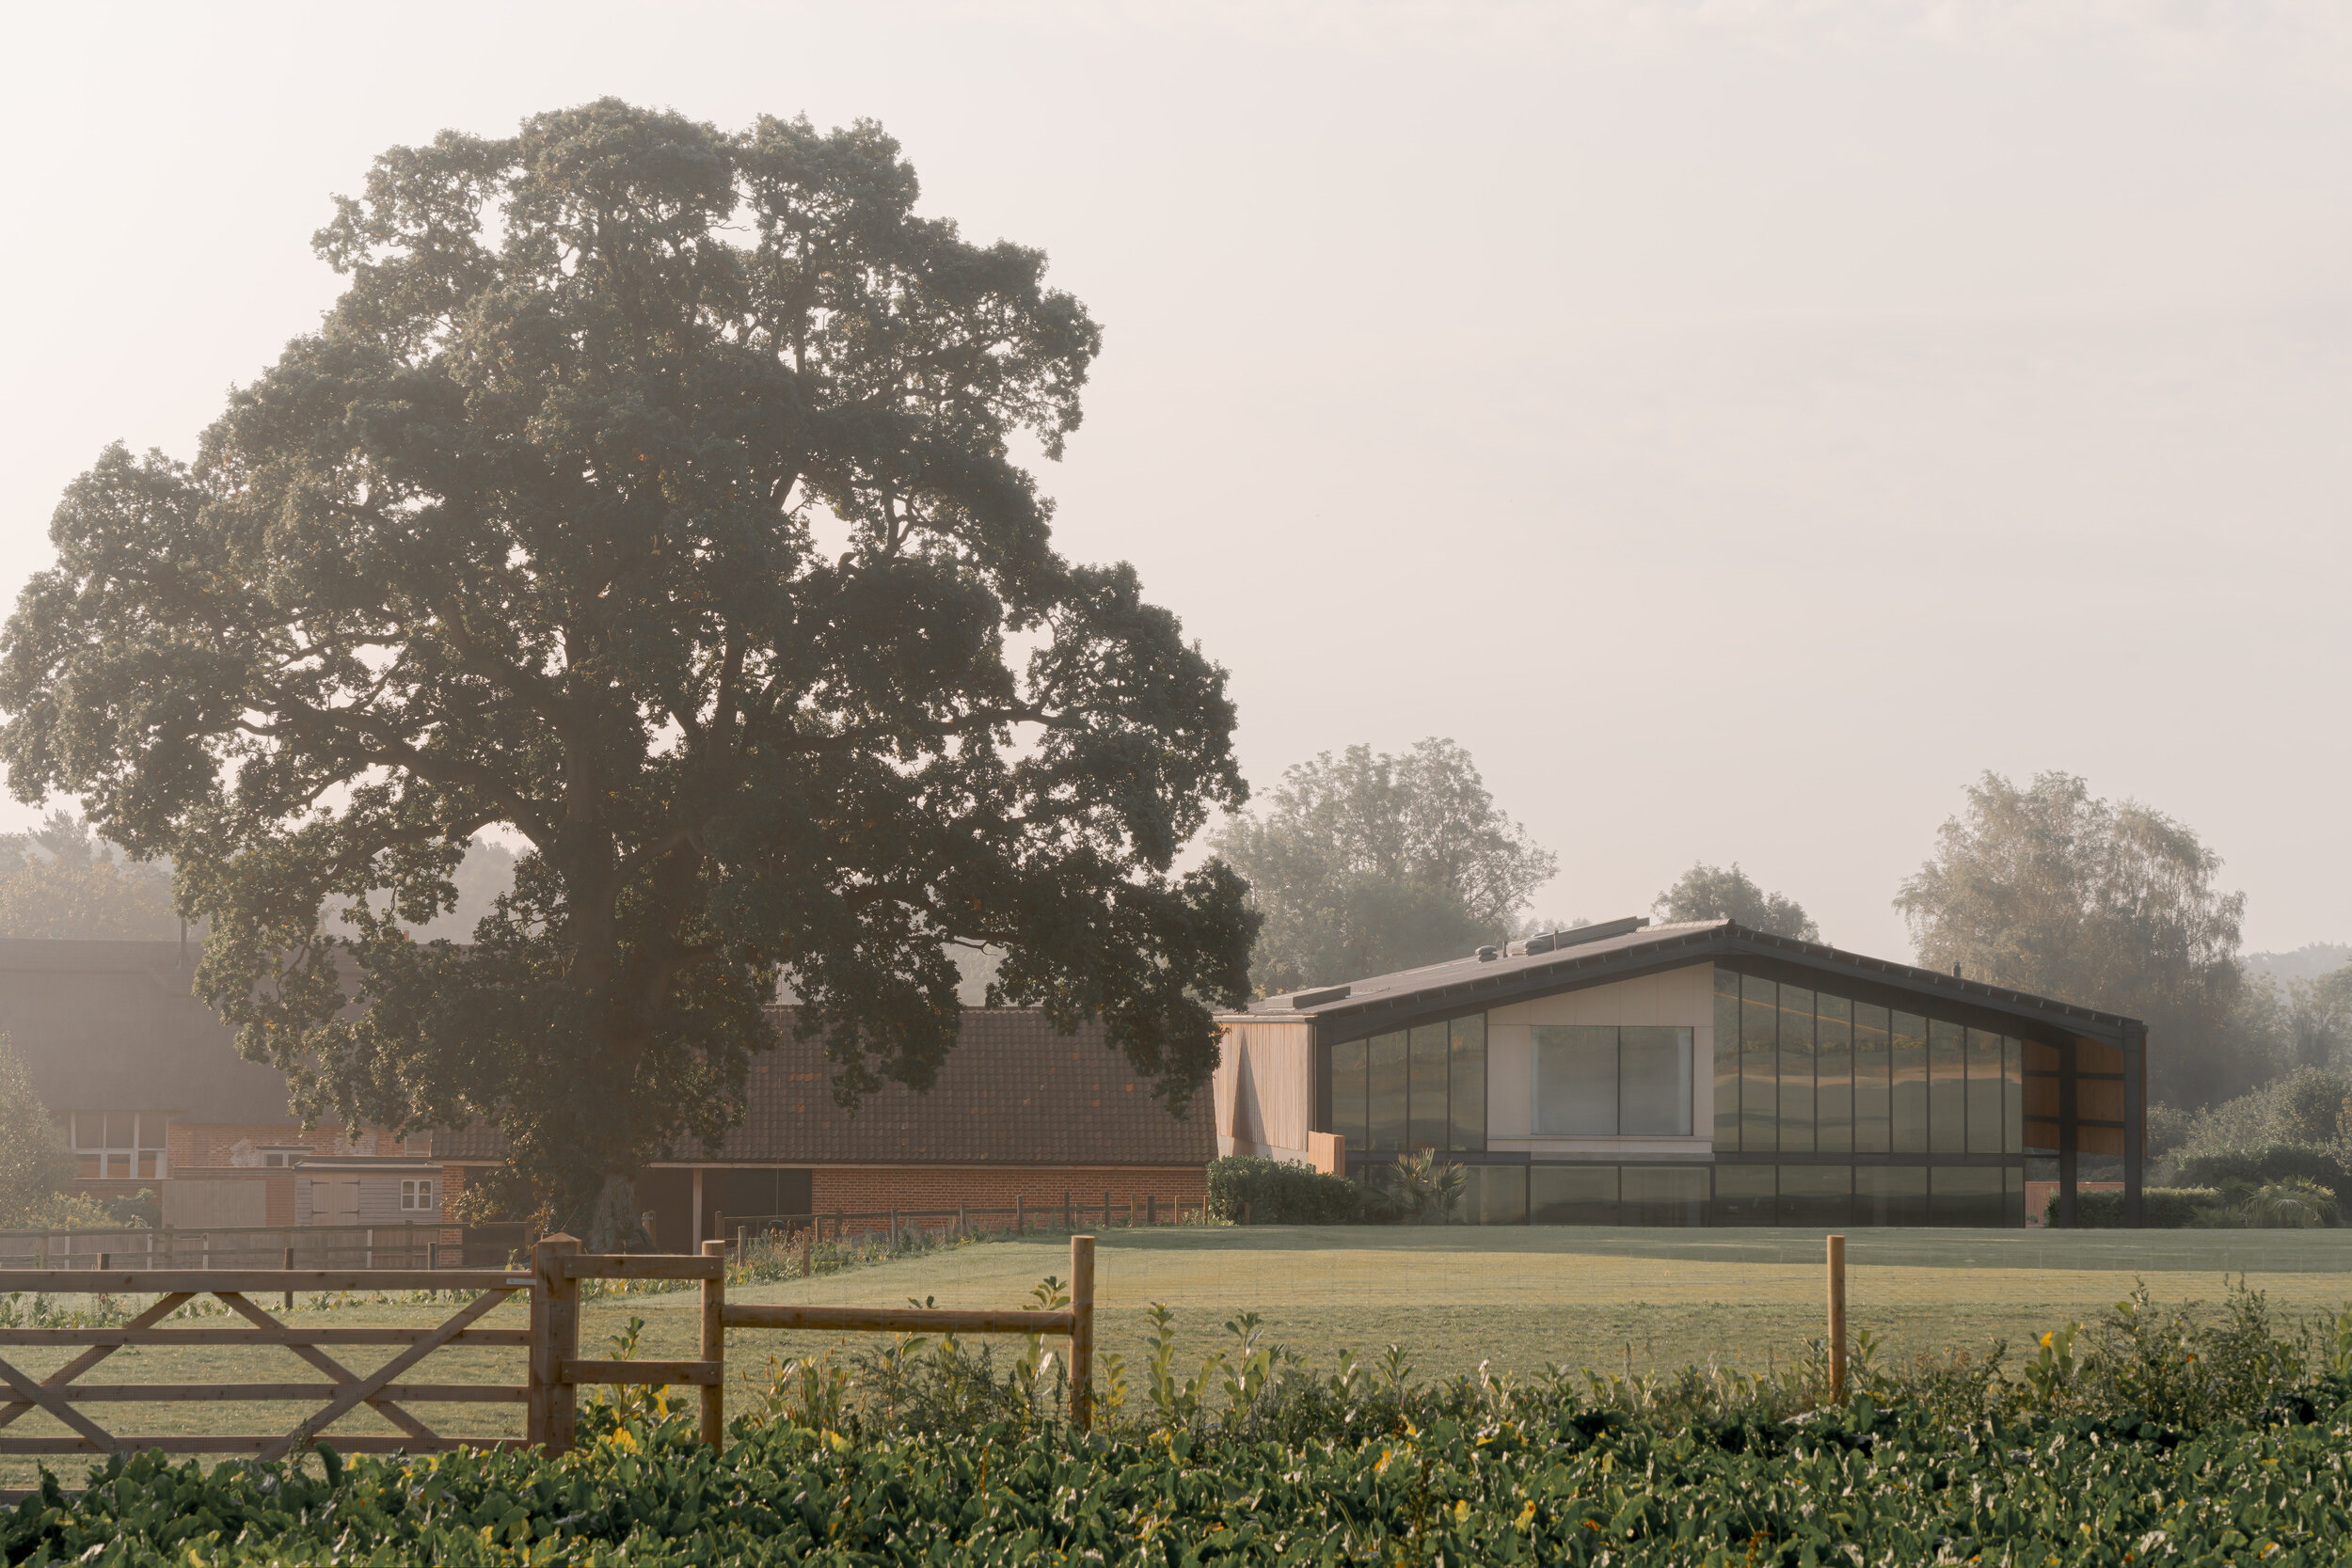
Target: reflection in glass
point(1662, 1194)
point(1654, 1081)
point(2012, 1097)
point(1833, 1070)
point(1759, 1066)
point(1470, 1083)
point(1872, 1131)
point(1726, 1060)
point(1796, 1071)
point(1576, 1079)
point(1909, 1038)
point(1573, 1194)
point(1967, 1194)
point(1494, 1195)
point(1426, 1110)
point(2013, 1194)
point(1347, 1093)
point(1984, 1092)
point(1817, 1194)
point(1947, 1083)
point(1743, 1195)
point(1385, 1092)
point(1890, 1194)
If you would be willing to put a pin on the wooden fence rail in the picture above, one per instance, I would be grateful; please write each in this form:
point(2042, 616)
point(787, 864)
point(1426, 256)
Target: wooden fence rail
point(548, 1393)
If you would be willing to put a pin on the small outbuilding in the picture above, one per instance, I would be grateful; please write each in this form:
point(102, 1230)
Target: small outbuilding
point(1692, 1075)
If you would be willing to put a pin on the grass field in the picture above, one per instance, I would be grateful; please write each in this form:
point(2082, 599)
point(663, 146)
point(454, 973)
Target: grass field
point(1516, 1297)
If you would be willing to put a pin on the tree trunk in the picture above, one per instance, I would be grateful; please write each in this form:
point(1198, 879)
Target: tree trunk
point(614, 1223)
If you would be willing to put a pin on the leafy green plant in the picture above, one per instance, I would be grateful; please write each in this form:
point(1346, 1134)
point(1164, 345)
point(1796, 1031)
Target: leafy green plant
point(1276, 1192)
point(1427, 1188)
point(2293, 1204)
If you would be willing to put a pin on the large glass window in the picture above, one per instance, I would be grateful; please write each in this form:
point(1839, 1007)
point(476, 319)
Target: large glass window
point(1598, 1081)
point(1984, 1092)
point(1743, 1195)
point(1947, 1080)
point(1967, 1194)
point(1890, 1194)
point(1494, 1195)
point(2012, 1097)
point(1908, 1036)
point(1796, 1071)
point(1817, 1194)
point(1573, 1194)
point(1874, 1129)
point(1833, 1069)
point(1726, 1060)
point(1426, 1119)
point(1662, 1194)
point(1347, 1094)
point(1759, 1066)
point(1469, 1116)
point(1388, 1097)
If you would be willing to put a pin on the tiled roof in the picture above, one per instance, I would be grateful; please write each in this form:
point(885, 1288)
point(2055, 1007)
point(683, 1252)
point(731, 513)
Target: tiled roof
point(1014, 1092)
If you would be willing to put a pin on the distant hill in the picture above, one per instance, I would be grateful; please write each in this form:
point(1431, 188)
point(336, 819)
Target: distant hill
point(2308, 962)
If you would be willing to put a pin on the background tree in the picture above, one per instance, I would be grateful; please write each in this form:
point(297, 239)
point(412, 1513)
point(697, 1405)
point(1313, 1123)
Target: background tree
point(1366, 862)
point(2113, 906)
point(1714, 893)
point(34, 1161)
point(59, 881)
point(649, 491)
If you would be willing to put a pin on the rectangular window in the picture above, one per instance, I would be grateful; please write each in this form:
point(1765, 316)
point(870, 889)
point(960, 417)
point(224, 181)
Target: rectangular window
point(119, 1146)
point(1908, 1037)
point(1832, 1067)
point(1347, 1093)
point(1743, 1195)
point(1427, 1117)
point(1653, 1082)
point(2013, 1097)
point(1796, 1071)
point(1890, 1194)
point(1385, 1094)
point(1967, 1196)
point(1726, 1061)
point(415, 1196)
point(1948, 1081)
point(1576, 1080)
point(1759, 1066)
point(1818, 1196)
point(1984, 1092)
point(1662, 1194)
point(1470, 1083)
point(1495, 1195)
point(1873, 1129)
point(2013, 1194)
point(1573, 1194)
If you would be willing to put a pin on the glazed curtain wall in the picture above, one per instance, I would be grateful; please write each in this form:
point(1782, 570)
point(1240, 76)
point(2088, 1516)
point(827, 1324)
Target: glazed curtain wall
point(1415, 1088)
point(1807, 1072)
point(1827, 1197)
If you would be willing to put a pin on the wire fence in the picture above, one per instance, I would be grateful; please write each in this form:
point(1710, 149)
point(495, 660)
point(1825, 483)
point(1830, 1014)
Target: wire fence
point(359, 1246)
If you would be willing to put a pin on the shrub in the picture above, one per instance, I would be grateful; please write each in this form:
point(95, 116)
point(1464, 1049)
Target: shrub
point(2260, 1167)
point(2293, 1204)
point(2165, 1208)
point(1278, 1193)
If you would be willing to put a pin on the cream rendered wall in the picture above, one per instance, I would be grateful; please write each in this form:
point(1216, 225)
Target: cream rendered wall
point(1682, 998)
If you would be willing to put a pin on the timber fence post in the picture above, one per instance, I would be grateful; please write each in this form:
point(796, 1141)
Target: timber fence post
point(288, 1305)
point(714, 1347)
point(1020, 1216)
point(1837, 1319)
point(1065, 1210)
point(1082, 1332)
point(554, 1340)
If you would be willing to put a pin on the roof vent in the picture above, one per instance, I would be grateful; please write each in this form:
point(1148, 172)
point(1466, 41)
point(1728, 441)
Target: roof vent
point(1488, 955)
point(1317, 998)
point(1579, 936)
point(1544, 943)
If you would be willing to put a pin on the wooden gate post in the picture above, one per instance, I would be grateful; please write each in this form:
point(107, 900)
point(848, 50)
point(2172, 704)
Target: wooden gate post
point(714, 1348)
point(1082, 1332)
point(554, 1340)
point(1837, 1319)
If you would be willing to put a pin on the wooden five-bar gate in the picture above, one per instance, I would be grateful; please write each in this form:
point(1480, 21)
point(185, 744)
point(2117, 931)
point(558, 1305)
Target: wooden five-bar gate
point(555, 1370)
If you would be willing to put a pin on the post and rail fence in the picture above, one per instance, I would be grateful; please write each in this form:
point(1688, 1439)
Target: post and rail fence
point(555, 1369)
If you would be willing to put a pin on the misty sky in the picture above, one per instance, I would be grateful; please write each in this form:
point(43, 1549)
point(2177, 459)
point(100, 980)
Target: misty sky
point(1739, 424)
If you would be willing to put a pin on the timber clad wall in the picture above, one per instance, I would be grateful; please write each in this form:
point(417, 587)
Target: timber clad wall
point(1265, 1090)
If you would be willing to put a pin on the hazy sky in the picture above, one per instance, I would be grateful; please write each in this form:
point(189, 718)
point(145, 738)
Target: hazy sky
point(1739, 424)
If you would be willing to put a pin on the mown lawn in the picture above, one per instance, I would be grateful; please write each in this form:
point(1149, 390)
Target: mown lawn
point(1517, 1298)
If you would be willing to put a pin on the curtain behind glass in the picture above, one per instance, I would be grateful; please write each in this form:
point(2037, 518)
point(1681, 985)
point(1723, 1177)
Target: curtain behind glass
point(1653, 1082)
point(1576, 1080)
point(1427, 1117)
point(1387, 1095)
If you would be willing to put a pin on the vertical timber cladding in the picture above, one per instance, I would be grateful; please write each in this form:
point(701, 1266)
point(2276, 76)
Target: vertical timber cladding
point(1267, 1089)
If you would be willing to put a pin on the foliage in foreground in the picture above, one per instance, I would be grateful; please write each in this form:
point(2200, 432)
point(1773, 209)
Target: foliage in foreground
point(2153, 1436)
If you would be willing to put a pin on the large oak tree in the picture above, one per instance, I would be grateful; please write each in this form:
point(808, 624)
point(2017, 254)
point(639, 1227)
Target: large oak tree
point(651, 492)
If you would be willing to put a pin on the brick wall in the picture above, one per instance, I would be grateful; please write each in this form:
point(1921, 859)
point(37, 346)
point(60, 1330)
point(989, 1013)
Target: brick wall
point(209, 1146)
point(869, 1189)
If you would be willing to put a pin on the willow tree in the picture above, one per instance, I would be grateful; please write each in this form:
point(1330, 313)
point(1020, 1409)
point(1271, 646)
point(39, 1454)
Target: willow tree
point(649, 493)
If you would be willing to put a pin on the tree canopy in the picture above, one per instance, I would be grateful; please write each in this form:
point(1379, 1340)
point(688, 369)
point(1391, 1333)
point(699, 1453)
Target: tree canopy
point(1714, 893)
point(1368, 862)
point(59, 881)
point(34, 1161)
point(650, 490)
point(2114, 906)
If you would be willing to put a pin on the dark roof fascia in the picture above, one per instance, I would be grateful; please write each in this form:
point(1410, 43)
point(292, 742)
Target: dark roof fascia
point(1574, 972)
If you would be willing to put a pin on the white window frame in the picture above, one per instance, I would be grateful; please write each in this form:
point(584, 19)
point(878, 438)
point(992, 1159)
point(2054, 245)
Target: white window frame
point(144, 1125)
point(417, 1195)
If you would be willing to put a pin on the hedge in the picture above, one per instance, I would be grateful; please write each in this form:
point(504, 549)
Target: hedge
point(2258, 1168)
point(1275, 1192)
point(2165, 1208)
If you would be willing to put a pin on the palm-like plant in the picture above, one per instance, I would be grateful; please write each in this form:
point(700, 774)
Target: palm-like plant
point(2297, 1203)
point(1428, 1189)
